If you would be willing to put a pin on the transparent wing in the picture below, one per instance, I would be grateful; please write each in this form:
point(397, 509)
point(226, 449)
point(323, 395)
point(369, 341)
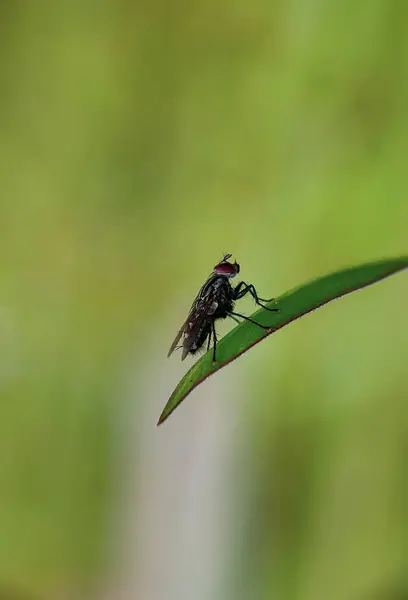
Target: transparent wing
point(203, 306)
point(196, 321)
point(184, 326)
point(177, 338)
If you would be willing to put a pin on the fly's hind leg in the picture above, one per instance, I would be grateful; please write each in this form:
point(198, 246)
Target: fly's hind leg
point(267, 327)
point(214, 335)
point(235, 319)
point(209, 340)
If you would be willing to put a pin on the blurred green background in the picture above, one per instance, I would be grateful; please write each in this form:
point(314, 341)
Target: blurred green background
point(138, 142)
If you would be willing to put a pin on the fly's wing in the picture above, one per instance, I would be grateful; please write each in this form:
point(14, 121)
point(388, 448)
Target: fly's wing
point(202, 307)
point(183, 329)
point(177, 338)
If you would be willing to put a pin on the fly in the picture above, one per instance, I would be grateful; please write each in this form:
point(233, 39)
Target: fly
point(215, 300)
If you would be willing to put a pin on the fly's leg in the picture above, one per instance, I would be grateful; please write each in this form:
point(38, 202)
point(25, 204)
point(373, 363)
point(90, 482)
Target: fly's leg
point(268, 327)
point(232, 317)
point(209, 340)
point(243, 289)
point(214, 335)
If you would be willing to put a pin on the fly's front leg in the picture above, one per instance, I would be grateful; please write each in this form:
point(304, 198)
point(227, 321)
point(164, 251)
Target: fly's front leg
point(244, 288)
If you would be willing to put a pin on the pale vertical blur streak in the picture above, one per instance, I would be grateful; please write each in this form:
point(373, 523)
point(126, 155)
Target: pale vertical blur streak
point(176, 504)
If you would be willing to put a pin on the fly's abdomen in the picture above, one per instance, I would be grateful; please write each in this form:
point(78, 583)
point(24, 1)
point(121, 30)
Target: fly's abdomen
point(202, 335)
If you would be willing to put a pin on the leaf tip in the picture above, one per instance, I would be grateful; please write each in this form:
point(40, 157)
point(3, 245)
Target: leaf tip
point(164, 415)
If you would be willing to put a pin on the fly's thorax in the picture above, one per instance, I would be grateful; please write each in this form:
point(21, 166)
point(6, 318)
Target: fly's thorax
point(224, 294)
point(222, 282)
point(213, 286)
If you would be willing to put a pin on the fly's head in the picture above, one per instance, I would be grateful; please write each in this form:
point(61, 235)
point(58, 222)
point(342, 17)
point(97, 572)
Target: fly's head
point(226, 268)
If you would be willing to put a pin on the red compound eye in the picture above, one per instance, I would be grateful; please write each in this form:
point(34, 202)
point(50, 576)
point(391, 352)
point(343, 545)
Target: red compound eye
point(224, 268)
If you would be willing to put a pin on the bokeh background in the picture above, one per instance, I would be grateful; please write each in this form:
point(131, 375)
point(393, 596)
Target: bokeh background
point(139, 141)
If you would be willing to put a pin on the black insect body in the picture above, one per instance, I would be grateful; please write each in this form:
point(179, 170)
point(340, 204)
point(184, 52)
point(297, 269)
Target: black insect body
point(215, 301)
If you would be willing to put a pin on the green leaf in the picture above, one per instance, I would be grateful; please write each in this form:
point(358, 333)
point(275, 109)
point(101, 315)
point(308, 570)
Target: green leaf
point(292, 305)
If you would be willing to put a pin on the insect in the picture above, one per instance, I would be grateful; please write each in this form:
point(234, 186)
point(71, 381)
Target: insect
point(215, 300)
